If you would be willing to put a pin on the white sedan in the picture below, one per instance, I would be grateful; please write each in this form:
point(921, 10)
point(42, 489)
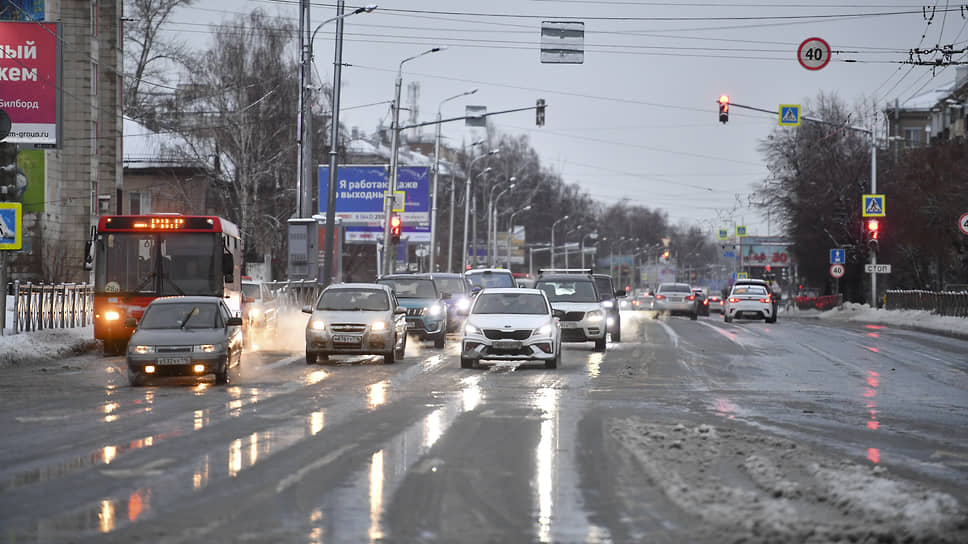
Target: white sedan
point(511, 325)
point(752, 301)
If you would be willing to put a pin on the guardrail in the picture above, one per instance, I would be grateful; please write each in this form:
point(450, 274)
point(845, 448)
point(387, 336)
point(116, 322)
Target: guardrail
point(825, 302)
point(948, 303)
point(39, 306)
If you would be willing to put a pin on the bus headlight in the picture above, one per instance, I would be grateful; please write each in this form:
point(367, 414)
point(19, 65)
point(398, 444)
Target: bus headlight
point(112, 315)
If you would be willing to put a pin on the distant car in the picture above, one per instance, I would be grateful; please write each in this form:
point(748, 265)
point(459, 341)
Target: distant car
point(715, 304)
point(610, 302)
point(456, 292)
point(774, 300)
point(642, 302)
point(749, 300)
point(583, 318)
point(426, 308)
point(676, 299)
point(356, 319)
point(185, 336)
point(514, 324)
point(702, 301)
point(487, 278)
point(260, 311)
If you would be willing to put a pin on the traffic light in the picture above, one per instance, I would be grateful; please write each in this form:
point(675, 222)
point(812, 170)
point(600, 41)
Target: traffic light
point(873, 234)
point(539, 113)
point(723, 109)
point(396, 226)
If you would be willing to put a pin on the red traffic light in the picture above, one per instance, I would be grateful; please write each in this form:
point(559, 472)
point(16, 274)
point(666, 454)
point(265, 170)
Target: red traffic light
point(723, 108)
point(396, 226)
point(873, 228)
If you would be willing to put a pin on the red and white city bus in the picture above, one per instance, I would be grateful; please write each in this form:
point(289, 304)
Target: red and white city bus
point(138, 258)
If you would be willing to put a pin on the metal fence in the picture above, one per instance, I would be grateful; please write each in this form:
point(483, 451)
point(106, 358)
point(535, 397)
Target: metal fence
point(824, 302)
point(39, 306)
point(293, 295)
point(949, 303)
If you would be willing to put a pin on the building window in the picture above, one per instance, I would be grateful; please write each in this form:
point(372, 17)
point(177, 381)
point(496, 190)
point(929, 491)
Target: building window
point(139, 203)
point(912, 137)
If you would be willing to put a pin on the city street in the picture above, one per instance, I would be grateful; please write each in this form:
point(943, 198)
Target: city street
point(686, 431)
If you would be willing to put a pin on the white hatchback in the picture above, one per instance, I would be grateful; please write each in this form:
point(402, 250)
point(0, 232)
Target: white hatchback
point(750, 301)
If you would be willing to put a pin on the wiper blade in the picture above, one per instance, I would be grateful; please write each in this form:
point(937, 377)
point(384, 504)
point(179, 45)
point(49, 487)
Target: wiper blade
point(191, 314)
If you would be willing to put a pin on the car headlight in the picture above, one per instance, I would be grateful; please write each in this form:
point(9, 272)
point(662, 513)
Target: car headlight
point(254, 313)
point(608, 304)
point(471, 329)
point(463, 303)
point(317, 324)
point(378, 326)
point(434, 310)
point(141, 350)
point(544, 330)
point(205, 348)
point(595, 316)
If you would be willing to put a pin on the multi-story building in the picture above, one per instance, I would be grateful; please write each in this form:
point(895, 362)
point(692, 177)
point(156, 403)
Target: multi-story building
point(937, 115)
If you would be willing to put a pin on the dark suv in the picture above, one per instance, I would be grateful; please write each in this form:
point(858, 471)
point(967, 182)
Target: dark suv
point(425, 305)
point(609, 297)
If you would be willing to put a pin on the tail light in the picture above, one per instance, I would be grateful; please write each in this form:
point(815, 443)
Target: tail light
point(705, 302)
point(765, 300)
point(691, 297)
point(734, 299)
point(659, 297)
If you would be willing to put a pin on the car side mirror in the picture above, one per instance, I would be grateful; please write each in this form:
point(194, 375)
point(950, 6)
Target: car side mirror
point(228, 267)
point(399, 310)
point(234, 322)
point(307, 309)
point(475, 290)
point(620, 293)
point(130, 323)
point(558, 313)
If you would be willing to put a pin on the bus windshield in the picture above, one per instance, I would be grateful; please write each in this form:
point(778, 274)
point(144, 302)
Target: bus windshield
point(159, 264)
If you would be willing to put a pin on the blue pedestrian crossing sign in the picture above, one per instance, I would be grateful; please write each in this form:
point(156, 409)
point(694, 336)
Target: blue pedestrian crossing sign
point(11, 225)
point(874, 206)
point(723, 234)
point(789, 115)
point(837, 256)
point(741, 230)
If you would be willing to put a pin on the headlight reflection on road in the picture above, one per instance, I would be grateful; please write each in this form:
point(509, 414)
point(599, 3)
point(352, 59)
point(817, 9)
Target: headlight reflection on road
point(106, 516)
point(200, 477)
point(547, 402)
point(317, 420)
point(433, 427)
point(595, 364)
point(376, 496)
point(377, 394)
point(471, 393)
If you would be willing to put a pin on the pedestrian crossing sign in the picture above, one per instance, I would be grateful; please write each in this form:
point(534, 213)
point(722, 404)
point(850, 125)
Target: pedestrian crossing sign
point(741, 230)
point(723, 234)
point(789, 115)
point(874, 206)
point(11, 223)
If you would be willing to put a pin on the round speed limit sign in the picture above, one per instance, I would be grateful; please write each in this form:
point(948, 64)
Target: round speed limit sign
point(814, 53)
point(837, 270)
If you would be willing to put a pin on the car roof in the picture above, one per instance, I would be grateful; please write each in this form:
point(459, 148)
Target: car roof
point(514, 290)
point(568, 277)
point(191, 299)
point(378, 286)
point(752, 280)
point(675, 283)
point(405, 277)
point(474, 271)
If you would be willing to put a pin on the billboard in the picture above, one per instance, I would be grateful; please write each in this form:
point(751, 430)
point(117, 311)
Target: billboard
point(360, 191)
point(29, 82)
point(766, 250)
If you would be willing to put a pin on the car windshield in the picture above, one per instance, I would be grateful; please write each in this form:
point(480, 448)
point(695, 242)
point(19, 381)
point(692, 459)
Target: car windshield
point(511, 303)
point(187, 315)
point(488, 280)
point(251, 290)
point(411, 287)
point(348, 300)
point(674, 288)
point(568, 290)
point(454, 286)
point(749, 290)
point(604, 286)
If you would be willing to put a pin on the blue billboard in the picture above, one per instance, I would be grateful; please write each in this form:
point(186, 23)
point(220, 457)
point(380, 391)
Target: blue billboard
point(360, 191)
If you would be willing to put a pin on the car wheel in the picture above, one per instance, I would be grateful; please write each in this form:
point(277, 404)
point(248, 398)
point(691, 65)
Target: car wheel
point(311, 357)
point(389, 358)
point(466, 362)
point(135, 379)
point(617, 335)
point(403, 348)
point(113, 347)
point(771, 319)
point(727, 319)
point(694, 316)
point(556, 361)
point(222, 376)
point(439, 341)
point(600, 344)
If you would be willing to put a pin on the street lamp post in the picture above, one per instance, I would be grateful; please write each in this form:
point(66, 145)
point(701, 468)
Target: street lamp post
point(328, 256)
point(593, 236)
point(467, 201)
point(492, 247)
point(553, 225)
point(433, 197)
point(567, 232)
point(492, 222)
point(511, 229)
point(394, 152)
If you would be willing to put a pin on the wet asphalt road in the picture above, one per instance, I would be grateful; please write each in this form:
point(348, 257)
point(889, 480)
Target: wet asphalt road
point(423, 451)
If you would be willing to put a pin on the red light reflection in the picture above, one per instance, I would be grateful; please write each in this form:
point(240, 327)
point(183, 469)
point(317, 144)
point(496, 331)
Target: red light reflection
point(874, 455)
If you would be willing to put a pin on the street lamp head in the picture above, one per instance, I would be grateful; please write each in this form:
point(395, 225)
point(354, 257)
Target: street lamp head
point(510, 186)
point(494, 151)
point(526, 208)
point(511, 180)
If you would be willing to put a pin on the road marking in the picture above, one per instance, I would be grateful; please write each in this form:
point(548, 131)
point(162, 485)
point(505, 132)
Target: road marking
point(317, 464)
point(41, 419)
point(147, 469)
point(672, 334)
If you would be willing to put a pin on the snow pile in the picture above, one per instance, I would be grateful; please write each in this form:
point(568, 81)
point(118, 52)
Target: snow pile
point(45, 345)
point(912, 319)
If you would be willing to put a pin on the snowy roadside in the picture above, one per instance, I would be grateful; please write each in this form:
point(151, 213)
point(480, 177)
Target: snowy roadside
point(44, 346)
point(916, 320)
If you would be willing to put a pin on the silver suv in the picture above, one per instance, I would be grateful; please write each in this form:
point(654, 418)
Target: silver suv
point(356, 319)
point(577, 296)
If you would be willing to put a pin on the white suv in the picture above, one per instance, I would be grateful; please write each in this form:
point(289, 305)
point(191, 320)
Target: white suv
point(576, 295)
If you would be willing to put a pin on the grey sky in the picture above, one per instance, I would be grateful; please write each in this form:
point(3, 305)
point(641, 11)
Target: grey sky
point(638, 119)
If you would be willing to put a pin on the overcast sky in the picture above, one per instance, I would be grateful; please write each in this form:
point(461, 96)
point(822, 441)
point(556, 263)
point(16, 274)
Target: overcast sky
point(638, 119)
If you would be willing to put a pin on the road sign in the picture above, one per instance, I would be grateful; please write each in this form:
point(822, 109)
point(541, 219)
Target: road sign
point(813, 53)
point(837, 270)
point(11, 225)
point(877, 268)
point(837, 256)
point(562, 42)
point(874, 206)
point(741, 230)
point(963, 223)
point(742, 276)
point(789, 115)
point(724, 233)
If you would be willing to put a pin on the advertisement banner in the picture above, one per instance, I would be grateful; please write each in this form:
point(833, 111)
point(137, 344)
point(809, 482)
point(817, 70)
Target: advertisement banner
point(31, 165)
point(766, 250)
point(22, 10)
point(29, 93)
point(360, 192)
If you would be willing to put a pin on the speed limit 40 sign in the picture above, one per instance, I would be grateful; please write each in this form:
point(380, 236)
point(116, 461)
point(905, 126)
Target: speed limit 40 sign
point(837, 270)
point(814, 53)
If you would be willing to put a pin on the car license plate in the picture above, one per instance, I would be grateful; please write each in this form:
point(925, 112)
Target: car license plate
point(174, 361)
point(347, 339)
point(507, 344)
point(569, 324)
